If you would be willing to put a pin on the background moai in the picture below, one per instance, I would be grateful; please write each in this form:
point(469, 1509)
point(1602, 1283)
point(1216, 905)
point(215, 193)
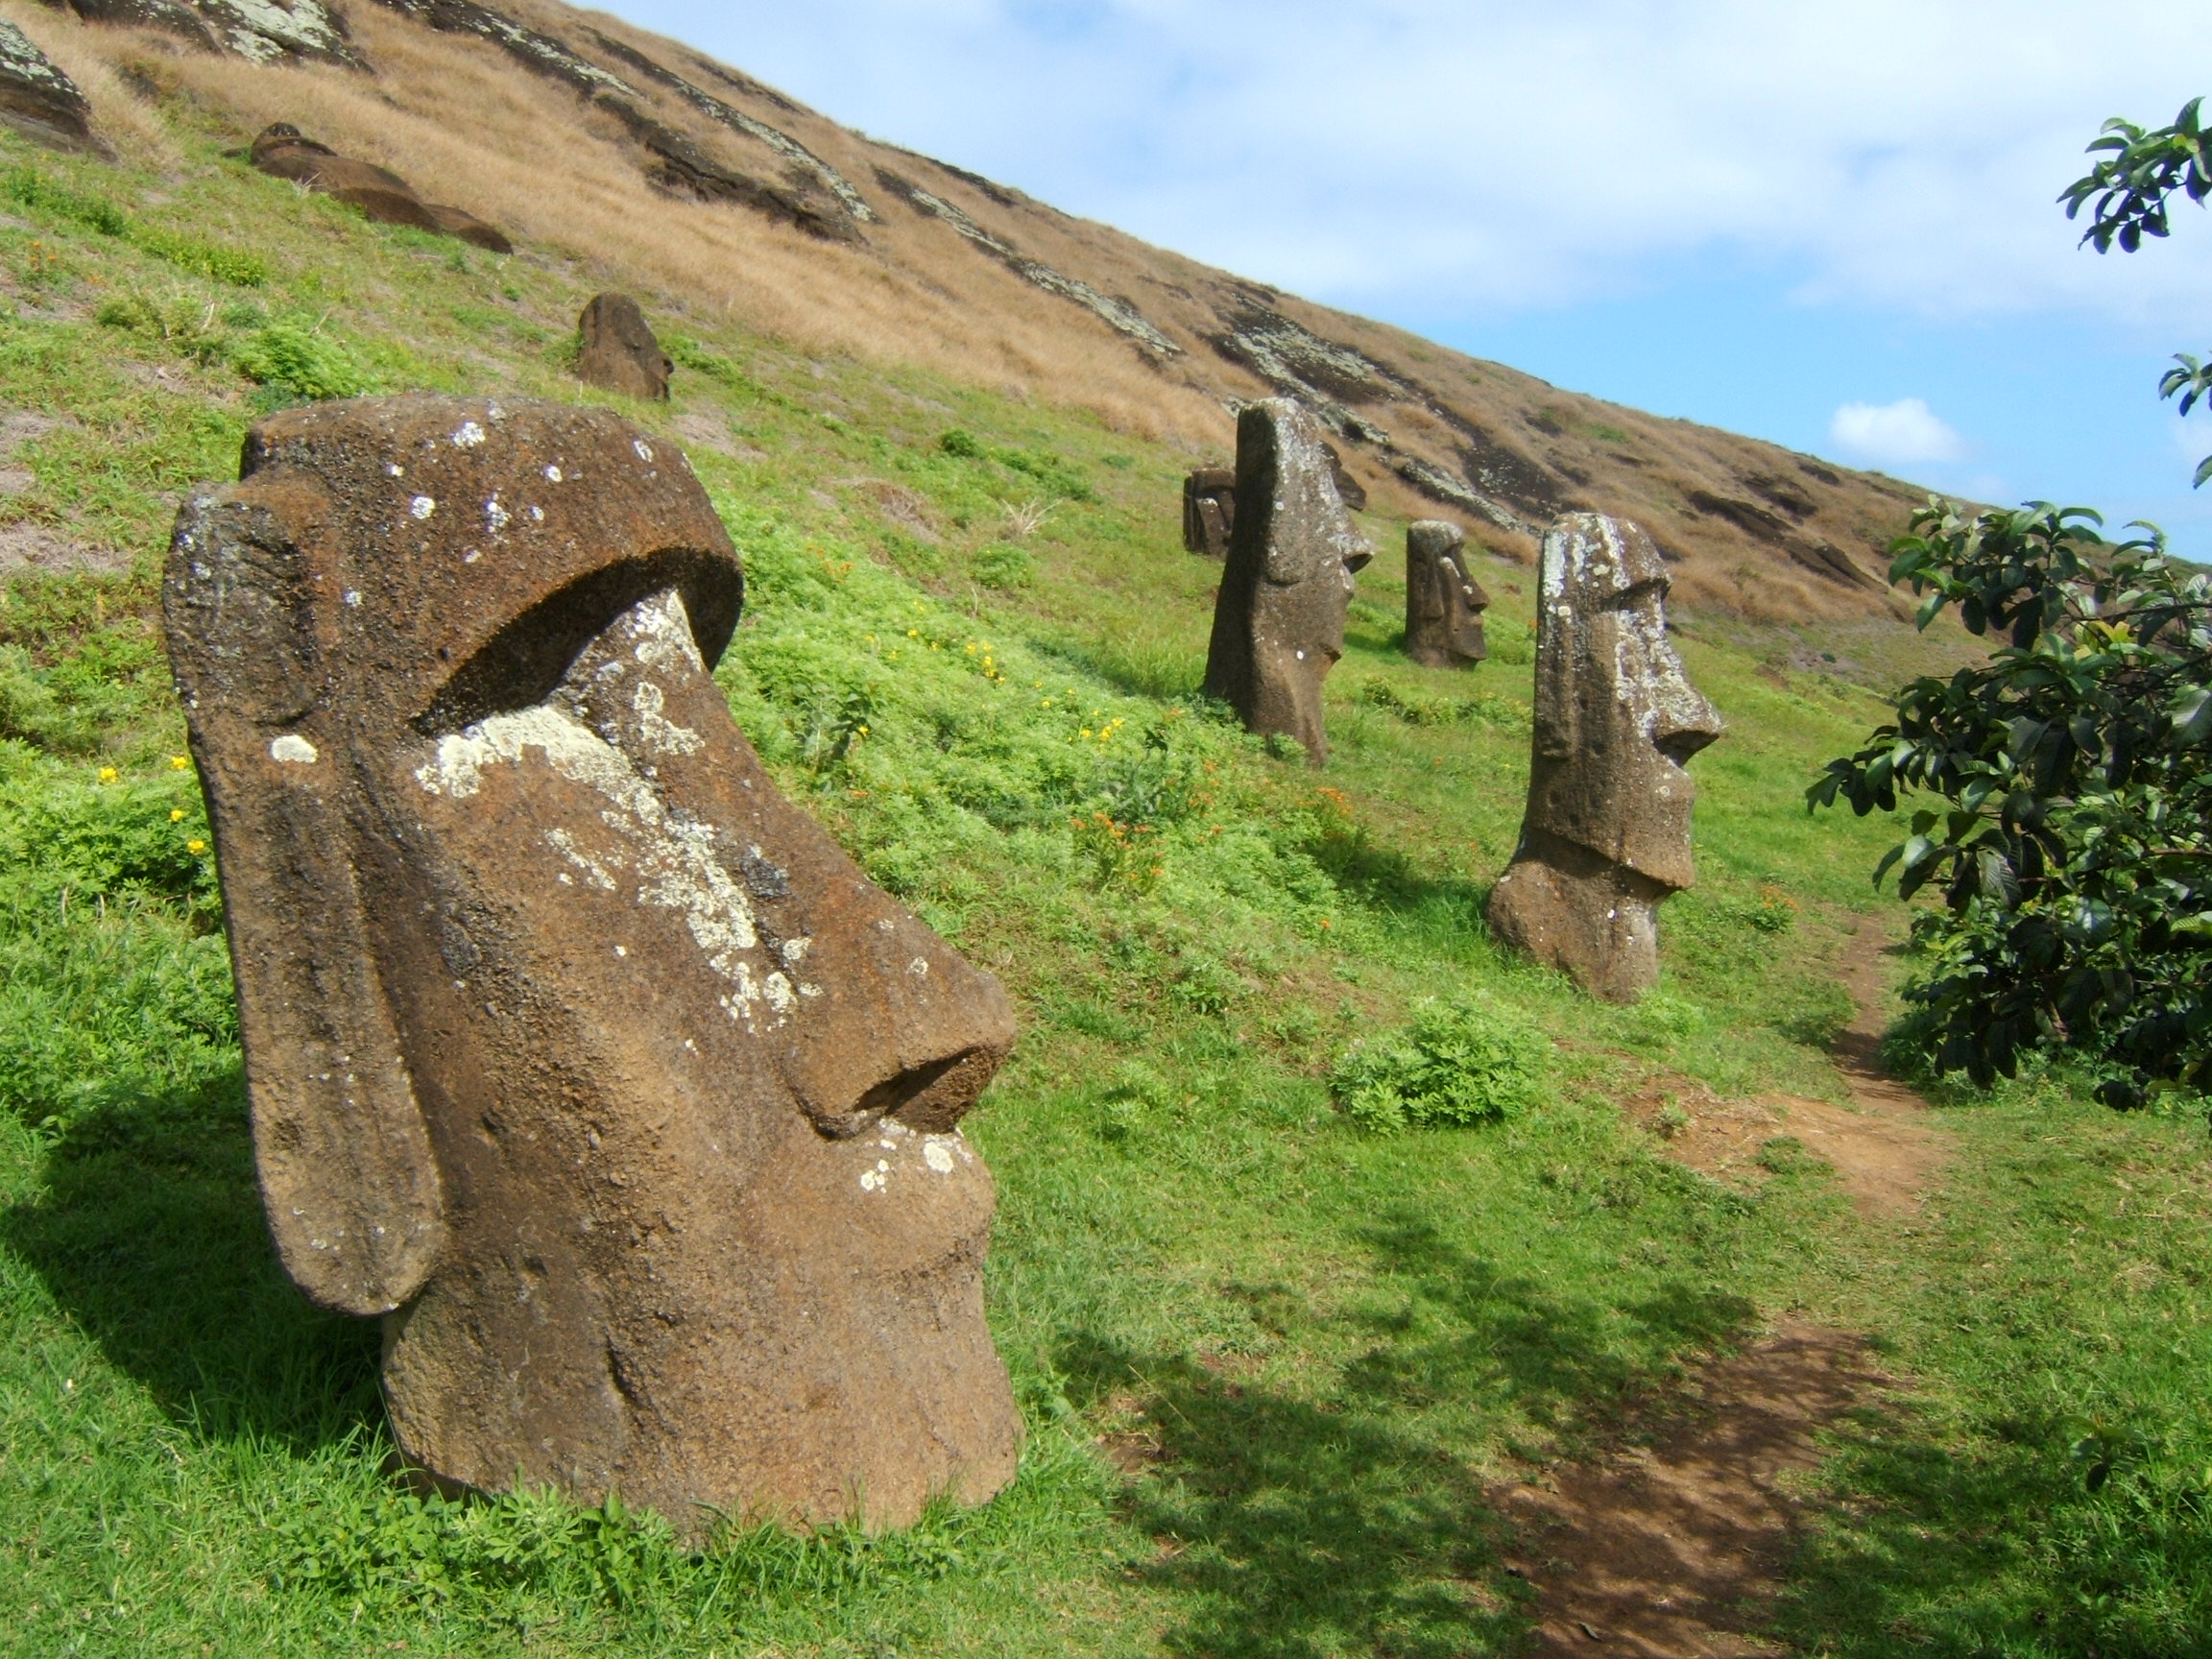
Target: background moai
point(1279, 623)
point(572, 1047)
point(1444, 605)
point(618, 351)
point(1209, 511)
point(1606, 838)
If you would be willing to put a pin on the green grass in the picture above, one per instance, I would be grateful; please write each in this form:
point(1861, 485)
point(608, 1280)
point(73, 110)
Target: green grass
point(1269, 1359)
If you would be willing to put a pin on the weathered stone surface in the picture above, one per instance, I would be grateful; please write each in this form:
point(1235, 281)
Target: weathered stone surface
point(284, 151)
point(1349, 489)
point(571, 1046)
point(1279, 623)
point(619, 352)
point(1606, 838)
point(261, 31)
point(1209, 511)
point(37, 100)
point(678, 164)
point(1444, 605)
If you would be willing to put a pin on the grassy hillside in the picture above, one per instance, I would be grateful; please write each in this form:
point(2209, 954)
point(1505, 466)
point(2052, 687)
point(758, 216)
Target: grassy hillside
point(1270, 1357)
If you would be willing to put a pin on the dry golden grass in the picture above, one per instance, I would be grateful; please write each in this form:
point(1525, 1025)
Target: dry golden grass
point(468, 125)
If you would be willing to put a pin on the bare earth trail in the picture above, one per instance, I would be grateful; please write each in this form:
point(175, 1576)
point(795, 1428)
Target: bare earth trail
point(1673, 1550)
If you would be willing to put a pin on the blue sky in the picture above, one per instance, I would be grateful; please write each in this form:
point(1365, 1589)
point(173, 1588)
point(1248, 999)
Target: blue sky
point(1831, 225)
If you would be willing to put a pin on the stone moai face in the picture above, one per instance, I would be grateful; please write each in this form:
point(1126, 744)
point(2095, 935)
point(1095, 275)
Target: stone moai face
point(1279, 623)
point(618, 351)
point(574, 1049)
point(1444, 605)
point(1209, 511)
point(1606, 838)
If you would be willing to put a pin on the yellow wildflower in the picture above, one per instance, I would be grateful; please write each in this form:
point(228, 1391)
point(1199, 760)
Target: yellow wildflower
point(177, 762)
point(177, 815)
point(970, 647)
point(1086, 731)
point(913, 633)
point(108, 774)
point(195, 846)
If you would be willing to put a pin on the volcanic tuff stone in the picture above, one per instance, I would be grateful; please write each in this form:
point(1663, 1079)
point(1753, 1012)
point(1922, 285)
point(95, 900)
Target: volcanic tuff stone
point(284, 151)
point(1209, 511)
point(619, 352)
point(1606, 838)
point(261, 31)
point(571, 1046)
point(37, 100)
point(1444, 605)
point(1279, 623)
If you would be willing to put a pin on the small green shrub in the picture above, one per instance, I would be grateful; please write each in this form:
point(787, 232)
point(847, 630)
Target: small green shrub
point(1512, 644)
point(301, 362)
point(1418, 709)
point(1459, 1062)
point(1004, 567)
point(965, 445)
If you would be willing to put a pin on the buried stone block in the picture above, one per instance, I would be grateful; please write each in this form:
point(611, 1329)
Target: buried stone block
point(1444, 605)
point(1279, 622)
point(617, 351)
point(283, 152)
point(1606, 838)
point(1209, 511)
point(38, 100)
point(574, 1049)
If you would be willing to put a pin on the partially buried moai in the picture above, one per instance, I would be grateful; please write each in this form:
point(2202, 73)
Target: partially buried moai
point(1279, 623)
point(1209, 511)
point(574, 1050)
point(1606, 838)
point(1444, 605)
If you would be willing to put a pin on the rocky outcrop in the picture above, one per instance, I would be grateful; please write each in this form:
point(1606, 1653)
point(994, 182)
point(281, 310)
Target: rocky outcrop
point(1606, 838)
point(618, 353)
point(283, 152)
point(536, 51)
point(802, 161)
point(1118, 314)
point(261, 31)
point(1444, 605)
point(574, 1050)
point(1279, 622)
point(679, 165)
point(40, 101)
point(1209, 511)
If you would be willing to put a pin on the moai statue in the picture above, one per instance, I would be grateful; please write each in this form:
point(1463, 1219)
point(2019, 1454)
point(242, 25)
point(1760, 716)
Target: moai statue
point(1606, 838)
point(1279, 624)
point(1444, 605)
point(618, 351)
point(1209, 511)
point(574, 1051)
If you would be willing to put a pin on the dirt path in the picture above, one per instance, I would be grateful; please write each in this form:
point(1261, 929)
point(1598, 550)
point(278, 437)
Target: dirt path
point(1673, 1551)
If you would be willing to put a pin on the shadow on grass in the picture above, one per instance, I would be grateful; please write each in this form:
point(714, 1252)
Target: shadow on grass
point(1350, 1520)
point(150, 1238)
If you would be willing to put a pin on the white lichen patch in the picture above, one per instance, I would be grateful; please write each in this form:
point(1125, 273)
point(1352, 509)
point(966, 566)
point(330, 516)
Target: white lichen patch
point(644, 448)
point(422, 506)
point(292, 749)
point(659, 734)
point(938, 1155)
point(553, 475)
point(494, 516)
point(467, 435)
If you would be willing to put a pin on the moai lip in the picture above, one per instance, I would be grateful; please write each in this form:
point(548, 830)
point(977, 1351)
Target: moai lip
point(1606, 838)
point(1279, 622)
point(574, 1049)
point(1444, 605)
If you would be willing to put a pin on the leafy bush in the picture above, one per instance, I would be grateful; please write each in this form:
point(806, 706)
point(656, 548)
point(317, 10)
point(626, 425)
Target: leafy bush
point(1459, 1062)
point(1004, 567)
point(2075, 854)
point(301, 362)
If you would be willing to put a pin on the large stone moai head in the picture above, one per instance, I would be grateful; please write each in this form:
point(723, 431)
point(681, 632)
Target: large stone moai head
point(1606, 838)
point(572, 1047)
point(1444, 605)
point(616, 350)
point(1279, 624)
point(1209, 511)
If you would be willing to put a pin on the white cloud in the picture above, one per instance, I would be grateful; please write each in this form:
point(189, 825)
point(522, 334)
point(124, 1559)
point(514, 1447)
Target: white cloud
point(1478, 155)
point(1905, 433)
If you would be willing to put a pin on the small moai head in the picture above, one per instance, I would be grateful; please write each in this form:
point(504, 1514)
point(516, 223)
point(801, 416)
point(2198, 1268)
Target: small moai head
point(572, 1047)
point(1209, 511)
point(618, 351)
point(1279, 623)
point(1606, 838)
point(1444, 605)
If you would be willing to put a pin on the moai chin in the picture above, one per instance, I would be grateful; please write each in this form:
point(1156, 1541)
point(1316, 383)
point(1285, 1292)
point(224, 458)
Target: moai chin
point(1279, 623)
point(574, 1050)
point(1606, 838)
point(1444, 605)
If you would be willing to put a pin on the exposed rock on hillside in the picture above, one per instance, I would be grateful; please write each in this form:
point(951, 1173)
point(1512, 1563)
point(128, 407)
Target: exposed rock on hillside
point(536, 50)
point(618, 353)
point(37, 100)
point(264, 30)
point(681, 165)
point(284, 151)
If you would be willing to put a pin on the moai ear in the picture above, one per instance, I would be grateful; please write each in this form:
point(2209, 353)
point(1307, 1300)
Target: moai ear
point(348, 1176)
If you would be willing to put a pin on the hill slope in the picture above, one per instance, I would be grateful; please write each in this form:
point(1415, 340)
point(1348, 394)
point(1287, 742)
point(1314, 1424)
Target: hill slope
point(718, 197)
